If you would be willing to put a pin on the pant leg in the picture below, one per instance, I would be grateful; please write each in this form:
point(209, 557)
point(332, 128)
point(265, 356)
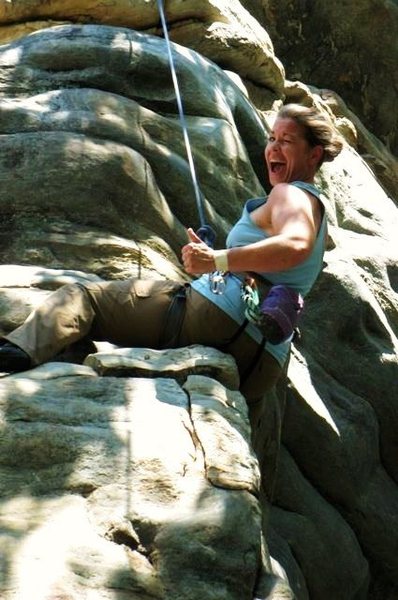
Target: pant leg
point(63, 318)
point(131, 312)
point(265, 375)
point(126, 313)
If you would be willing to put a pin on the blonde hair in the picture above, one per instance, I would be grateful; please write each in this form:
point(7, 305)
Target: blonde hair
point(318, 129)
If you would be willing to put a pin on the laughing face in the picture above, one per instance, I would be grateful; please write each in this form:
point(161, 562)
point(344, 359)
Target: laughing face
point(288, 154)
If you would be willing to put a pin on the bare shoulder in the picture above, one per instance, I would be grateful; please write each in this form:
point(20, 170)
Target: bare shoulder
point(287, 192)
point(287, 200)
point(281, 199)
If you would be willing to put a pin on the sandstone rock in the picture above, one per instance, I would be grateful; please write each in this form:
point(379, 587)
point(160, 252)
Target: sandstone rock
point(223, 435)
point(118, 472)
point(383, 163)
point(52, 370)
point(116, 169)
point(311, 525)
point(232, 38)
point(347, 47)
point(96, 184)
point(177, 363)
point(376, 154)
point(221, 30)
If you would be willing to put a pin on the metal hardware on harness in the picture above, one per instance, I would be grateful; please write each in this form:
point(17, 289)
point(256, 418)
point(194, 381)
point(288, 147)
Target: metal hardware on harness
point(218, 282)
point(251, 299)
point(205, 232)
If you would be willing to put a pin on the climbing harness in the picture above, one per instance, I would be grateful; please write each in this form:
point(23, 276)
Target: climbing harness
point(174, 319)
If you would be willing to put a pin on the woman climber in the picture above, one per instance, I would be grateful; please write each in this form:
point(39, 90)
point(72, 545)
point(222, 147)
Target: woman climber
point(278, 240)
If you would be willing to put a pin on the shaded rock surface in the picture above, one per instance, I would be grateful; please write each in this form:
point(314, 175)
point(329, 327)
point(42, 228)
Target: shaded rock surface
point(154, 468)
point(353, 48)
point(128, 484)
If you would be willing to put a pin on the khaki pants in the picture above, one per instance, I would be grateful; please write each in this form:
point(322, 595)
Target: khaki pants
point(132, 313)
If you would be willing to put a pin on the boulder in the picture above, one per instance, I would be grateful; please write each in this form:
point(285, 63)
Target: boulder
point(135, 484)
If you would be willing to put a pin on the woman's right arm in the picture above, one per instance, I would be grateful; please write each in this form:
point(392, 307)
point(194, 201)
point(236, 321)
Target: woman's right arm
point(292, 216)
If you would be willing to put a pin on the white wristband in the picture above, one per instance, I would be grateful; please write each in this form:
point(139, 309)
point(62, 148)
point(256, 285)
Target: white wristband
point(221, 260)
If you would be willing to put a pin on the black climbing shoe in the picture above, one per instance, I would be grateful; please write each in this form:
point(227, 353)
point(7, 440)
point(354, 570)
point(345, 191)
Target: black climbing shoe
point(13, 359)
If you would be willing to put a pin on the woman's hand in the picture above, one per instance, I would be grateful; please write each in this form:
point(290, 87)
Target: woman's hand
point(197, 257)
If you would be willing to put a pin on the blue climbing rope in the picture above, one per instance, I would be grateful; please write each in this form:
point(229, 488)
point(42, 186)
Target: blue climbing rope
point(205, 232)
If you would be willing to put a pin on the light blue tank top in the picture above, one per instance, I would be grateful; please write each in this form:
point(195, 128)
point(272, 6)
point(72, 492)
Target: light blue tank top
point(301, 277)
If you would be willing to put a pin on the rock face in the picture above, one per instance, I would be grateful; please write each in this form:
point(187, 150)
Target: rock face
point(129, 484)
point(353, 49)
point(112, 151)
point(133, 476)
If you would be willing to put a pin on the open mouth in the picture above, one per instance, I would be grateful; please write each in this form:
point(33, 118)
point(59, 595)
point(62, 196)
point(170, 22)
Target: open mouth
point(276, 166)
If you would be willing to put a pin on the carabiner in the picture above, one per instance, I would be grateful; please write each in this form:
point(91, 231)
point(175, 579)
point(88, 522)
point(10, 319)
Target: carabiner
point(217, 282)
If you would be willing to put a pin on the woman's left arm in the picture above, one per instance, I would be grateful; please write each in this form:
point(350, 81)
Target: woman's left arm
point(291, 218)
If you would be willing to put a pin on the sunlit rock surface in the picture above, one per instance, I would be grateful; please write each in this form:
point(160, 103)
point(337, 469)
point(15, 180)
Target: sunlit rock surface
point(134, 484)
point(157, 476)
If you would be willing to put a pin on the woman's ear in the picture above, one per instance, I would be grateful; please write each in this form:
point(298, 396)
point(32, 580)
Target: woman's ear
point(317, 154)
